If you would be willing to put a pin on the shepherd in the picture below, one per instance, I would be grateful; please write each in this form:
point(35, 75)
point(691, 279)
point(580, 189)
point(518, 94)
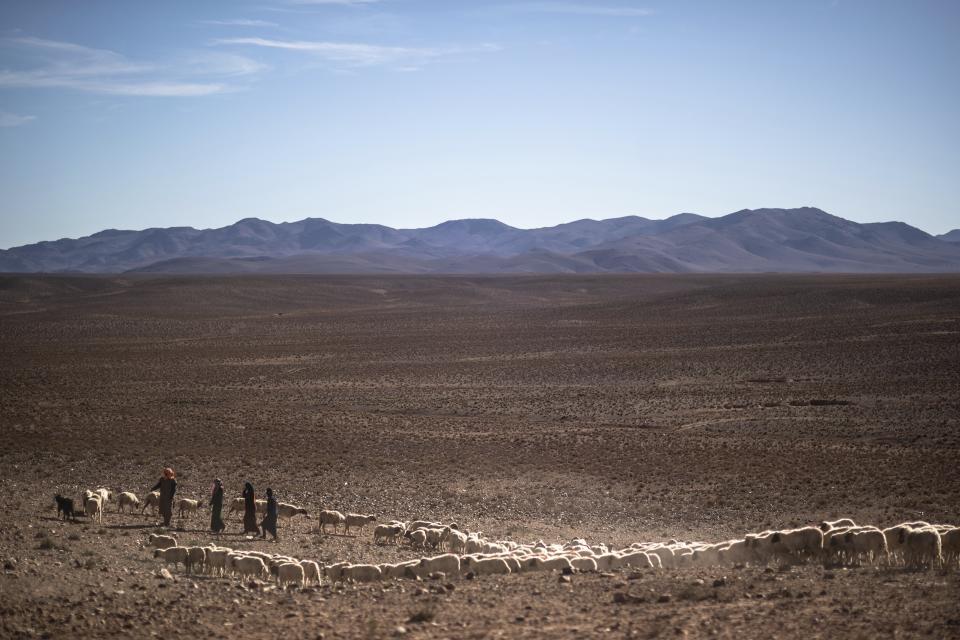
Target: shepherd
point(168, 487)
point(249, 510)
point(216, 507)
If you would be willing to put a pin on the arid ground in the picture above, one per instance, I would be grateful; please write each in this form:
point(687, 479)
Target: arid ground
point(613, 408)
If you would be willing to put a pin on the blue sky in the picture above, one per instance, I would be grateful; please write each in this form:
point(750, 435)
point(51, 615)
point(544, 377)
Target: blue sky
point(410, 112)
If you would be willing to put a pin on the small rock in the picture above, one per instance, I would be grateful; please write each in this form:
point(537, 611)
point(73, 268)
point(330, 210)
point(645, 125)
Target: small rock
point(450, 586)
point(165, 574)
point(719, 582)
point(400, 631)
point(565, 578)
point(9, 564)
point(698, 582)
point(664, 598)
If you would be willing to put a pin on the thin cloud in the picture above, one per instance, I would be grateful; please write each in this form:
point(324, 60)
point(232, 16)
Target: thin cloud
point(66, 65)
point(358, 54)
point(8, 119)
point(342, 3)
point(240, 22)
point(583, 9)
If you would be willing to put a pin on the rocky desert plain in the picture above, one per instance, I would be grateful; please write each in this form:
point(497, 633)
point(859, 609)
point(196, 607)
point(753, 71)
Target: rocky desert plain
point(614, 409)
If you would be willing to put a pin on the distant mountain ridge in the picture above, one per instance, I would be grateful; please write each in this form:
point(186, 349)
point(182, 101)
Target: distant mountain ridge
point(783, 240)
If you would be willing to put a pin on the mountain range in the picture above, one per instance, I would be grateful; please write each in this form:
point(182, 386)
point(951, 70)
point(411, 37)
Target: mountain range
point(760, 240)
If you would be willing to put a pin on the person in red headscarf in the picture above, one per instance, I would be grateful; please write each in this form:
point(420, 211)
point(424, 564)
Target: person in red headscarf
point(168, 487)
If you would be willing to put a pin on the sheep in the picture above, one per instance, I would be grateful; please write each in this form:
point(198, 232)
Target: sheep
point(485, 566)
point(418, 538)
point(895, 543)
point(950, 546)
point(836, 524)
point(173, 555)
point(423, 524)
point(127, 499)
point(357, 520)
point(105, 495)
point(436, 536)
point(447, 563)
point(638, 559)
point(803, 543)
point(64, 507)
point(311, 572)
point(196, 557)
point(868, 544)
point(922, 547)
point(287, 510)
point(188, 506)
point(330, 517)
point(457, 541)
point(362, 573)
point(216, 562)
point(237, 504)
point(161, 542)
point(250, 566)
point(388, 532)
point(152, 499)
point(584, 565)
point(290, 573)
point(334, 572)
point(93, 507)
point(606, 561)
point(555, 563)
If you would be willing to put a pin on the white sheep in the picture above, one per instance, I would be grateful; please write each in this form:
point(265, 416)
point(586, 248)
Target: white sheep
point(286, 510)
point(836, 524)
point(105, 495)
point(330, 517)
point(436, 536)
point(311, 572)
point(922, 547)
point(457, 541)
point(127, 499)
point(172, 555)
point(216, 563)
point(362, 573)
point(485, 566)
point(584, 565)
point(161, 542)
point(188, 506)
point(249, 567)
point(196, 557)
point(418, 538)
point(238, 505)
point(388, 532)
point(447, 563)
point(357, 520)
point(290, 573)
point(152, 499)
point(950, 546)
point(93, 507)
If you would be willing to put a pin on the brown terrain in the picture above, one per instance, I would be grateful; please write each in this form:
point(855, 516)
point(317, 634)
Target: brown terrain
point(614, 408)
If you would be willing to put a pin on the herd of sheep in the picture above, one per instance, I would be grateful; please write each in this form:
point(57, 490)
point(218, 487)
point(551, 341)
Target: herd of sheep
point(915, 545)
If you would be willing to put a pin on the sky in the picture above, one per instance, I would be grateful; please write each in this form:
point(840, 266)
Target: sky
point(118, 114)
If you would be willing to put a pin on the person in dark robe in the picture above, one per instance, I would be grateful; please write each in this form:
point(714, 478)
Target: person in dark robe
point(249, 510)
point(269, 523)
point(216, 507)
point(168, 488)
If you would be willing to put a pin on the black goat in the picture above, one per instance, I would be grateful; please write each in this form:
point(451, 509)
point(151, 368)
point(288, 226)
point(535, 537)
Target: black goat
point(65, 507)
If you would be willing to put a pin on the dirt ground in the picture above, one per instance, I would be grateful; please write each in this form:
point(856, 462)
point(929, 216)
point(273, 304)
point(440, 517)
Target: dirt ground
point(614, 408)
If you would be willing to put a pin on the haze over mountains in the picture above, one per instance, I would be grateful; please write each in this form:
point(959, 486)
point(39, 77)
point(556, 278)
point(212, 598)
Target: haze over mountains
point(782, 240)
